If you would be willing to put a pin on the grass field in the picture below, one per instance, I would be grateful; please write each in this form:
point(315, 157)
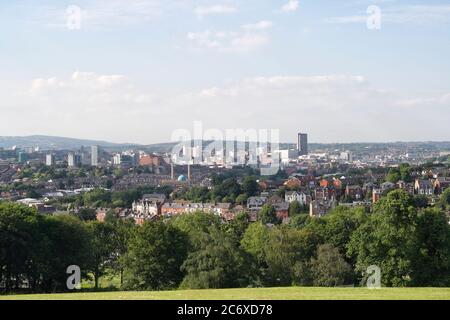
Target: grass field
point(290, 293)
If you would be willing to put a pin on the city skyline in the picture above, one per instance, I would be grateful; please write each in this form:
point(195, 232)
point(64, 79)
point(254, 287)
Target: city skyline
point(133, 72)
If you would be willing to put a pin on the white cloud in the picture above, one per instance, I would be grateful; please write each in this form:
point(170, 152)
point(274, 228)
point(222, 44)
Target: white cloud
point(226, 41)
point(262, 25)
point(248, 38)
point(217, 9)
point(292, 5)
point(412, 14)
point(332, 108)
point(78, 80)
point(86, 91)
point(98, 14)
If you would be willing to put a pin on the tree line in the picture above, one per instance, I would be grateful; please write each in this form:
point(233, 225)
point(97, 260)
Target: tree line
point(410, 245)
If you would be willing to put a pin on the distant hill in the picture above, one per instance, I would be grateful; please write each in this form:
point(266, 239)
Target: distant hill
point(62, 143)
point(55, 143)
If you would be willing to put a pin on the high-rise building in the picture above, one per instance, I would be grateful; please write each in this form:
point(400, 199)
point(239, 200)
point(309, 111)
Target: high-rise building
point(23, 157)
point(346, 156)
point(94, 156)
point(73, 159)
point(117, 159)
point(302, 144)
point(50, 160)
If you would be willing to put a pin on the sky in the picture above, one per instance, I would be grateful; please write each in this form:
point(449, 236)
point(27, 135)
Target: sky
point(136, 71)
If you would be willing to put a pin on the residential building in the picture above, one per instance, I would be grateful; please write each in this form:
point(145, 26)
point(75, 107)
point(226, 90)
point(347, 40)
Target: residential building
point(354, 192)
point(376, 195)
point(424, 187)
point(117, 159)
point(73, 160)
point(319, 208)
point(441, 183)
point(301, 197)
point(282, 210)
point(256, 203)
point(293, 183)
point(95, 154)
point(50, 160)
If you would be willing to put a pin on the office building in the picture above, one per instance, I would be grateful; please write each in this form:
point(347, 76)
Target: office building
point(23, 157)
point(302, 144)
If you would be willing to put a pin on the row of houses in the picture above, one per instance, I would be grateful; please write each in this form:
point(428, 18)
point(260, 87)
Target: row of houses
point(319, 199)
point(431, 186)
point(153, 206)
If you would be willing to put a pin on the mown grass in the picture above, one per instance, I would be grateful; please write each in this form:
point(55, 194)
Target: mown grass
point(289, 293)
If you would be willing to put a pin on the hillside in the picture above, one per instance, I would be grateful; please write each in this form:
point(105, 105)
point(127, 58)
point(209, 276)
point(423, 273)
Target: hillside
point(53, 143)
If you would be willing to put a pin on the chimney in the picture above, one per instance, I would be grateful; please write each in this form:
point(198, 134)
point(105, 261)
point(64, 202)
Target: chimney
point(189, 171)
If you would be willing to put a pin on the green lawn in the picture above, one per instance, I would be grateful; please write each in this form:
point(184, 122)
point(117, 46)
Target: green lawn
point(290, 293)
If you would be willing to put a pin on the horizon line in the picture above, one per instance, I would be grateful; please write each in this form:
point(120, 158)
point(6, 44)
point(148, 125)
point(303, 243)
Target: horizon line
point(166, 142)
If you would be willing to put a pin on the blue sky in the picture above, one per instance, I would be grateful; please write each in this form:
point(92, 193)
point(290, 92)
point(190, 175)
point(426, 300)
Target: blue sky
point(137, 70)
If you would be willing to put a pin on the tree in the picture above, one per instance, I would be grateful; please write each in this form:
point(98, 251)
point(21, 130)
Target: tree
point(227, 188)
point(393, 175)
point(405, 172)
point(431, 266)
point(268, 214)
point(295, 208)
point(218, 263)
point(111, 216)
point(387, 239)
point(444, 201)
point(237, 227)
point(241, 199)
point(124, 230)
point(86, 214)
point(284, 251)
point(102, 248)
point(197, 194)
point(421, 201)
point(196, 226)
point(155, 255)
point(329, 268)
point(36, 250)
point(299, 221)
point(97, 198)
point(32, 193)
point(339, 226)
point(250, 186)
point(17, 225)
point(254, 241)
point(64, 241)
point(109, 184)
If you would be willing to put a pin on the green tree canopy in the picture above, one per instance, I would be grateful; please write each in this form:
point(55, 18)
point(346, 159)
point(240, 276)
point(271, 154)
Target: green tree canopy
point(267, 214)
point(154, 258)
point(386, 239)
point(218, 263)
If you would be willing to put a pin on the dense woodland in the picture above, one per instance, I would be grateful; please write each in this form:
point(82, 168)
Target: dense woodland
point(410, 244)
